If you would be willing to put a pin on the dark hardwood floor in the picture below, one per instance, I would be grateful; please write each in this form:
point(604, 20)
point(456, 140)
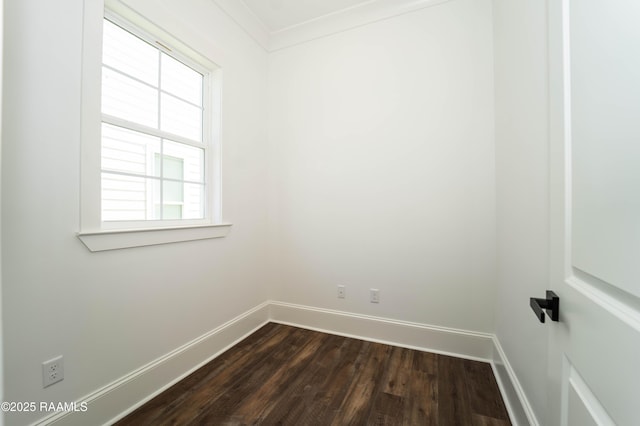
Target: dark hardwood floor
point(282, 375)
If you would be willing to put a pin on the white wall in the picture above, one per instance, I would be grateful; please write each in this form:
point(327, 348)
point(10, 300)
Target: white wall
point(109, 313)
point(522, 188)
point(382, 161)
point(380, 171)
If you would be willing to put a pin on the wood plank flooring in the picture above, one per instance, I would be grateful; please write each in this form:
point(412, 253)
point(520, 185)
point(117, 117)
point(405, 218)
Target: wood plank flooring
point(282, 375)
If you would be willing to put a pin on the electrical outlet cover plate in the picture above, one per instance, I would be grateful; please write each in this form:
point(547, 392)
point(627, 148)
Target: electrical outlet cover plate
point(52, 371)
point(341, 291)
point(374, 295)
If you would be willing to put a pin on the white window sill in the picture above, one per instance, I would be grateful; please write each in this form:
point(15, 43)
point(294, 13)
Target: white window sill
point(113, 240)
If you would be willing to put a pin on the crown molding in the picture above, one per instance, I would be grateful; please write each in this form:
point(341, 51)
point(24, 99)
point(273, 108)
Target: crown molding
point(343, 20)
point(322, 26)
point(240, 13)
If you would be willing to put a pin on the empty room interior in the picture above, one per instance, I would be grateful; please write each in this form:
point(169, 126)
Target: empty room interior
point(185, 183)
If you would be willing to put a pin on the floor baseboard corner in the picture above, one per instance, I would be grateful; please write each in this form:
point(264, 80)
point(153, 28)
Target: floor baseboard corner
point(518, 406)
point(122, 396)
point(424, 337)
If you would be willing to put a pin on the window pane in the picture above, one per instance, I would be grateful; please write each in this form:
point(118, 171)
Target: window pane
point(128, 151)
point(173, 168)
point(129, 54)
point(193, 201)
point(192, 159)
point(180, 118)
point(171, 212)
point(181, 81)
point(126, 98)
point(125, 197)
point(172, 192)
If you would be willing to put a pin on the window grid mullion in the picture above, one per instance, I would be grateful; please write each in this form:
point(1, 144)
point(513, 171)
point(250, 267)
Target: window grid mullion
point(119, 122)
point(118, 173)
point(137, 80)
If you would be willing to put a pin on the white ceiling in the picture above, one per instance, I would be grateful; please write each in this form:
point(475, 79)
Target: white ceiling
point(279, 14)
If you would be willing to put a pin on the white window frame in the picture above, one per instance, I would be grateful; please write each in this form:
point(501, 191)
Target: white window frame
point(94, 233)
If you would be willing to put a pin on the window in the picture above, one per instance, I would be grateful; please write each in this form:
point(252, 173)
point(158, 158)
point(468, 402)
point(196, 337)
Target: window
point(151, 152)
point(153, 143)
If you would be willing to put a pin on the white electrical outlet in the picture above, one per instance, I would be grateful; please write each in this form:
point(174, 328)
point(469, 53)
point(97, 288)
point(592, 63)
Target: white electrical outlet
point(52, 371)
point(374, 295)
point(341, 291)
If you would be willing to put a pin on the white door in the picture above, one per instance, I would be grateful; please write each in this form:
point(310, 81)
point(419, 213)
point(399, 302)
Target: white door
point(594, 357)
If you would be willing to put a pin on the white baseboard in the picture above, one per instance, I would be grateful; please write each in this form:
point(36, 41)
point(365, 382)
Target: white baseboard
point(446, 341)
point(520, 411)
point(119, 398)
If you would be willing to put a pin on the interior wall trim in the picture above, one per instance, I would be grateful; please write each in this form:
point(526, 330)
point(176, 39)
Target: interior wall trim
point(344, 20)
point(520, 411)
point(441, 340)
point(122, 396)
point(239, 13)
point(361, 14)
point(447, 341)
